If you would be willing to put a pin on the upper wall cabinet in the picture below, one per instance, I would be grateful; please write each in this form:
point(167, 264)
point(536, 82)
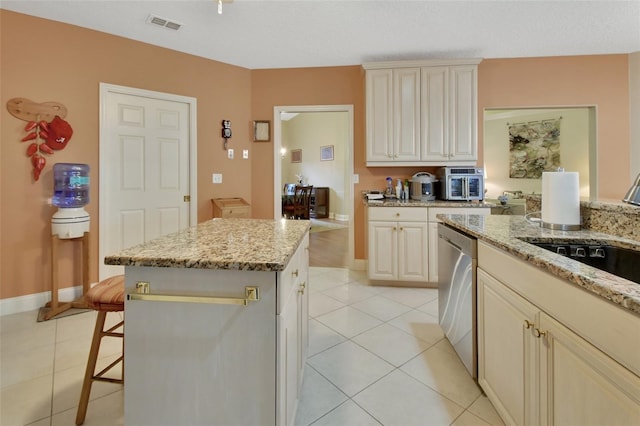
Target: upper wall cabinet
point(422, 113)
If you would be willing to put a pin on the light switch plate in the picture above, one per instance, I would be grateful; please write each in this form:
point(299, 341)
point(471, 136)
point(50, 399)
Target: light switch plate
point(230, 153)
point(217, 178)
point(245, 153)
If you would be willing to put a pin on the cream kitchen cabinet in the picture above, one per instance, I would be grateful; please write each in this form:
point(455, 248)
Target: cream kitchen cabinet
point(537, 370)
point(433, 232)
point(449, 114)
point(393, 115)
point(421, 113)
point(398, 244)
point(293, 334)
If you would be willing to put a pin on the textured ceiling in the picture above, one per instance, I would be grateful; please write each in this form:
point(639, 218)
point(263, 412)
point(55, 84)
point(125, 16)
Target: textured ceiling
point(309, 33)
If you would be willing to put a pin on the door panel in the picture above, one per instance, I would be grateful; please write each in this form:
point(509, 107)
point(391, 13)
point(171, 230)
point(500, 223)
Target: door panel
point(147, 152)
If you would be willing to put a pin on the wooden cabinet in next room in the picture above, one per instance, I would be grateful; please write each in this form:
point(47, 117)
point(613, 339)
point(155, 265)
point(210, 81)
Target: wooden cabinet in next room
point(319, 205)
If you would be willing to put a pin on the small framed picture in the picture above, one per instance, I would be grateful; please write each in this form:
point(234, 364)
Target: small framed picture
point(261, 131)
point(296, 156)
point(326, 153)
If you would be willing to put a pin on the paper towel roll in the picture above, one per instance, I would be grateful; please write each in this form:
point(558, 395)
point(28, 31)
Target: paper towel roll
point(561, 200)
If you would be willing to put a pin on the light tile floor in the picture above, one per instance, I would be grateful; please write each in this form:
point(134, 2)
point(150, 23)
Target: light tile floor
point(376, 356)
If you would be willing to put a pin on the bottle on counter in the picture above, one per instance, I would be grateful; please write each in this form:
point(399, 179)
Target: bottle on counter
point(399, 189)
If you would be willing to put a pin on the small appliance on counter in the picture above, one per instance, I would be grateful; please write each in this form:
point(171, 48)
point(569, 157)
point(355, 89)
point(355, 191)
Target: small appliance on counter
point(422, 186)
point(461, 183)
point(633, 195)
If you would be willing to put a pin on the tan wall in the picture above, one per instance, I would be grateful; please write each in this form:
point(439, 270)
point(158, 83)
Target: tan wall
point(76, 60)
point(600, 80)
point(64, 63)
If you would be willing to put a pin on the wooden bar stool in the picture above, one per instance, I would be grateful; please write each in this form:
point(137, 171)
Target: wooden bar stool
point(106, 296)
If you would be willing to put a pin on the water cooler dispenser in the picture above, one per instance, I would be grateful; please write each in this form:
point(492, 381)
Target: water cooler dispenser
point(70, 195)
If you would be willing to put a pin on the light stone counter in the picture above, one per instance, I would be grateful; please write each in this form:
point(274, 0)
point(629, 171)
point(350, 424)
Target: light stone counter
point(394, 202)
point(505, 232)
point(234, 244)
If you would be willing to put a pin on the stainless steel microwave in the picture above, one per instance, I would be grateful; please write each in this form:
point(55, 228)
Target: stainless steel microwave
point(461, 183)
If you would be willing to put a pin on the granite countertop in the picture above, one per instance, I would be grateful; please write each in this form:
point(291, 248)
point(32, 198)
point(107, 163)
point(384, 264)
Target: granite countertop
point(237, 244)
point(394, 202)
point(504, 232)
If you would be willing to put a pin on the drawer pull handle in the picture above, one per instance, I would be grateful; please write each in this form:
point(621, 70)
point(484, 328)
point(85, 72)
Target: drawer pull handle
point(302, 287)
point(528, 324)
point(252, 294)
point(295, 273)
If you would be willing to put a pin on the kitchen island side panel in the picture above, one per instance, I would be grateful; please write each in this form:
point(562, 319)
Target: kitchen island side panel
point(195, 363)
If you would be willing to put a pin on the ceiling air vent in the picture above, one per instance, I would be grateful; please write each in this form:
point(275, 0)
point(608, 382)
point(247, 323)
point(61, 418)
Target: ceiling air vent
point(163, 22)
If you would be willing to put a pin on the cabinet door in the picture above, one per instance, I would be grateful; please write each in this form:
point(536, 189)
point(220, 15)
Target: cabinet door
point(432, 252)
point(412, 251)
point(576, 374)
point(406, 114)
point(507, 351)
point(379, 86)
point(434, 101)
point(288, 373)
point(463, 114)
point(303, 310)
point(383, 250)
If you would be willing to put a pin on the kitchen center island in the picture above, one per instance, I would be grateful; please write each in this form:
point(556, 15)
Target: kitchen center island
point(216, 324)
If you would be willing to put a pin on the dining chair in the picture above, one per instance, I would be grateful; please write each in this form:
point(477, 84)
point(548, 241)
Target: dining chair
point(299, 207)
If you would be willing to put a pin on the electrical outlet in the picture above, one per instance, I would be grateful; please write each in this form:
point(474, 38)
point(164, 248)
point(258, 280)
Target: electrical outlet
point(230, 153)
point(217, 178)
point(356, 178)
point(245, 153)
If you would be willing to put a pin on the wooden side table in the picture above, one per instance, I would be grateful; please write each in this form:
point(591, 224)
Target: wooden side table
point(55, 306)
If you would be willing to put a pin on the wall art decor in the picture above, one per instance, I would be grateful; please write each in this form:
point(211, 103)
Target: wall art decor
point(296, 156)
point(326, 153)
point(46, 130)
point(534, 147)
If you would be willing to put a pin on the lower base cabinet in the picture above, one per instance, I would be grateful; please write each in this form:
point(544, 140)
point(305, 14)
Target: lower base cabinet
point(293, 335)
point(207, 364)
point(536, 371)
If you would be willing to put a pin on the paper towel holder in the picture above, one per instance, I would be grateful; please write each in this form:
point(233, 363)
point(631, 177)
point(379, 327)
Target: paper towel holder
point(558, 226)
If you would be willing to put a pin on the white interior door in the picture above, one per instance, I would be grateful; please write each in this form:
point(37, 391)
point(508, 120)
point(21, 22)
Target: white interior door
point(145, 165)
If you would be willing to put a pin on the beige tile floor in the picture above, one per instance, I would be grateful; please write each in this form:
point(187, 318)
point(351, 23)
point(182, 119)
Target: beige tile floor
point(376, 356)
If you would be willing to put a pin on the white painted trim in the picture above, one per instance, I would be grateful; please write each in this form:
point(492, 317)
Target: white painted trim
point(420, 63)
point(105, 88)
point(277, 166)
point(31, 302)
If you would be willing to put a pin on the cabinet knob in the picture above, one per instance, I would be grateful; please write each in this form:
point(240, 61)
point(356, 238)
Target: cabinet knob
point(528, 324)
point(397, 214)
point(394, 228)
point(295, 273)
point(401, 228)
point(538, 333)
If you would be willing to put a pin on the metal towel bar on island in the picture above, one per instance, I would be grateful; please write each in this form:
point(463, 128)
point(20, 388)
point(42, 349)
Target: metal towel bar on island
point(252, 294)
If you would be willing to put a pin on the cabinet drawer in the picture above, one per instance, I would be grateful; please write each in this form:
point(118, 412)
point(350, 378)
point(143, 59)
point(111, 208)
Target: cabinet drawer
point(433, 211)
point(400, 214)
point(294, 274)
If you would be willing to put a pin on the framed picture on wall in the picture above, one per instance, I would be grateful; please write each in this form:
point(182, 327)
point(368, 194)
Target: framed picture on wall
point(326, 153)
point(296, 156)
point(261, 131)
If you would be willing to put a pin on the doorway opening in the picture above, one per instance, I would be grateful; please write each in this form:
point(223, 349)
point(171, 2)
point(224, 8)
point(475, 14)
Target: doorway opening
point(323, 157)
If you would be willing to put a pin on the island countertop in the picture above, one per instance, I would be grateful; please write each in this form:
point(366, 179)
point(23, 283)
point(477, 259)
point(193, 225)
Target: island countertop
point(507, 233)
point(236, 244)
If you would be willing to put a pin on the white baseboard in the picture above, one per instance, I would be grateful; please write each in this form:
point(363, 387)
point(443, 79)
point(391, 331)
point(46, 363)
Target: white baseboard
point(31, 302)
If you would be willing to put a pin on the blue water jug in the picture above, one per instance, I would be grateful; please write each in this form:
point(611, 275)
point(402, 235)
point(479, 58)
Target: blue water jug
point(70, 185)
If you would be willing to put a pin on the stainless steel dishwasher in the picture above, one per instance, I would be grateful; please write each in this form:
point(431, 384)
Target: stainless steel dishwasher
point(457, 261)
